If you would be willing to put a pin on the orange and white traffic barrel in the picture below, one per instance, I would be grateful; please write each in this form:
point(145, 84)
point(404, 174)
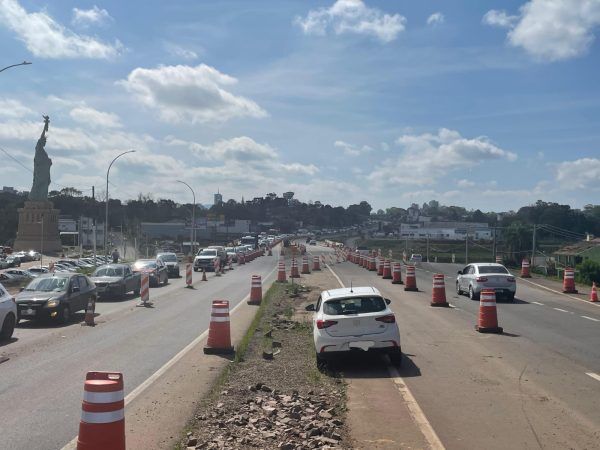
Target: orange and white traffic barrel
point(305, 267)
point(255, 290)
point(316, 264)
point(397, 273)
point(488, 316)
point(498, 259)
point(387, 270)
point(569, 281)
point(380, 264)
point(438, 293)
point(281, 278)
point(89, 312)
point(294, 269)
point(241, 259)
point(411, 279)
point(525, 269)
point(219, 331)
point(102, 424)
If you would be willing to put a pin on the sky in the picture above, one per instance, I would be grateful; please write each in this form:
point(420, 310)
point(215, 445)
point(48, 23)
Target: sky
point(482, 104)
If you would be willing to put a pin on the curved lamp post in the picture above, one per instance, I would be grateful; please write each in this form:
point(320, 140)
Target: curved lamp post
point(106, 210)
point(193, 227)
point(24, 63)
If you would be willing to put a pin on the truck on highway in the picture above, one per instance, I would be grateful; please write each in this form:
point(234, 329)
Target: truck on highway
point(250, 240)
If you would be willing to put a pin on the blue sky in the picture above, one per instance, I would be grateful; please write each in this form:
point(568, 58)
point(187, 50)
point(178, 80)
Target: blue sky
point(487, 104)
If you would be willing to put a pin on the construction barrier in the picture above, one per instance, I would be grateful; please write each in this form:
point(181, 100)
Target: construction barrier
point(569, 281)
point(255, 290)
point(372, 264)
point(217, 267)
point(188, 275)
point(102, 424)
point(594, 293)
point(438, 294)
point(488, 316)
point(294, 269)
point(316, 265)
point(305, 268)
point(380, 267)
point(241, 259)
point(525, 269)
point(387, 270)
point(145, 290)
point(219, 331)
point(397, 273)
point(411, 279)
point(498, 259)
point(89, 312)
point(281, 272)
point(204, 275)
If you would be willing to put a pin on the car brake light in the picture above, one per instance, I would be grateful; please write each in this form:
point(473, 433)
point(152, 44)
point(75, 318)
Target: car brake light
point(390, 318)
point(325, 323)
point(481, 279)
point(511, 279)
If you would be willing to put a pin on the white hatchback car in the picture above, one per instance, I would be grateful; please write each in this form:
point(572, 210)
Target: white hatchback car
point(354, 319)
point(8, 314)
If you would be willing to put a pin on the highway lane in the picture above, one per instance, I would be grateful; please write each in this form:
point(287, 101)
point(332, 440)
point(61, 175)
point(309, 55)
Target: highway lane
point(526, 388)
point(43, 380)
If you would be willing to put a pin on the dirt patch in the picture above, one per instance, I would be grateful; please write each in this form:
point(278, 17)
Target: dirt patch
point(275, 396)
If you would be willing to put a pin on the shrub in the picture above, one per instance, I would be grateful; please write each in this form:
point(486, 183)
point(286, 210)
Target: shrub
point(589, 271)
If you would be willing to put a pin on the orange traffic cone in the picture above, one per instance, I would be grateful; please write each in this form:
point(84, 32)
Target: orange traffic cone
point(255, 291)
point(102, 424)
point(569, 281)
point(438, 294)
point(89, 312)
point(219, 332)
point(411, 279)
point(488, 317)
point(594, 293)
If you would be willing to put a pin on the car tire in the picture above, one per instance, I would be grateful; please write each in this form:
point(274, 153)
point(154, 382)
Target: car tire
point(65, 315)
point(458, 289)
point(8, 327)
point(472, 294)
point(396, 358)
point(321, 363)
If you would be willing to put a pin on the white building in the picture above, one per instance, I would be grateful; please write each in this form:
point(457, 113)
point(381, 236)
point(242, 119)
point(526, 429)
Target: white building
point(446, 230)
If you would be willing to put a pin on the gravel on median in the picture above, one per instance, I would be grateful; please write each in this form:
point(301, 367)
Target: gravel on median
point(274, 397)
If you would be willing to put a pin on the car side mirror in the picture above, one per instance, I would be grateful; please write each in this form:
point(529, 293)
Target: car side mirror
point(387, 301)
point(459, 272)
point(75, 289)
point(310, 307)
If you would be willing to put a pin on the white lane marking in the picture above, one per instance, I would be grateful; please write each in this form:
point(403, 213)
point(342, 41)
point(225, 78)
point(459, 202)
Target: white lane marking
point(587, 302)
point(160, 372)
point(538, 303)
point(414, 409)
point(595, 376)
point(561, 310)
point(590, 318)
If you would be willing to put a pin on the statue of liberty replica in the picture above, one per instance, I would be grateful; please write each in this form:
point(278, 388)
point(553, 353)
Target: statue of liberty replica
point(38, 220)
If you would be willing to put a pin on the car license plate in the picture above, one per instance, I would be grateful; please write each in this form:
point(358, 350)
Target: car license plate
point(363, 345)
point(28, 312)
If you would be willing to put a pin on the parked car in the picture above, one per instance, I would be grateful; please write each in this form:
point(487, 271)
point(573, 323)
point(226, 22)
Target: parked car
point(116, 280)
point(312, 242)
point(37, 270)
point(23, 256)
point(8, 279)
point(477, 276)
point(13, 261)
point(33, 255)
point(170, 260)
point(354, 319)
point(4, 264)
point(155, 268)
point(206, 259)
point(20, 274)
point(56, 296)
point(8, 314)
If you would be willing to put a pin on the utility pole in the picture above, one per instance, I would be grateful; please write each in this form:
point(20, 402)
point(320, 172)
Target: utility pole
point(94, 225)
point(533, 247)
point(467, 248)
point(494, 250)
point(427, 247)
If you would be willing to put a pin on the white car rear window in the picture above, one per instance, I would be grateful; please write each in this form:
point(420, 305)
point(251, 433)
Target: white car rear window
point(353, 305)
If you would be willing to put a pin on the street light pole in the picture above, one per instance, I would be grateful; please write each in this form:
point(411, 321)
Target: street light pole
point(24, 63)
point(42, 243)
point(106, 206)
point(193, 227)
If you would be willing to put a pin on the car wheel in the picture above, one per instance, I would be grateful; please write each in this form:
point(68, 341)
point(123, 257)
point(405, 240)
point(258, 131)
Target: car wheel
point(65, 315)
point(321, 362)
point(458, 289)
point(472, 294)
point(396, 358)
point(8, 327)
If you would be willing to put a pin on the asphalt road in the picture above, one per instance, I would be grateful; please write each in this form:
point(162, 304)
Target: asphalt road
point(535, 386)
point(43, 379)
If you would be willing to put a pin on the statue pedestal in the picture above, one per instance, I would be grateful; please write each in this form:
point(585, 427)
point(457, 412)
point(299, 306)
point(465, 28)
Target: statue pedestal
point(33, 232)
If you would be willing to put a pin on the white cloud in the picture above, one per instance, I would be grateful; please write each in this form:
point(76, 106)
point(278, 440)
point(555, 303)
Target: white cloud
point(180, 52)
point(95, 118)
point(352, 150)
point(46, 38)
point(551, 30)
point(465, 183)
point(243, 149)
point(13, 109)
point(582, 173)
point(435, 19)
point(427, 157)
point(189, 94)
point(352, 16)
point(86, 17)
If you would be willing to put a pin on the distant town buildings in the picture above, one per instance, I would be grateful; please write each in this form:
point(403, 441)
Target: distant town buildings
point(8, 190)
